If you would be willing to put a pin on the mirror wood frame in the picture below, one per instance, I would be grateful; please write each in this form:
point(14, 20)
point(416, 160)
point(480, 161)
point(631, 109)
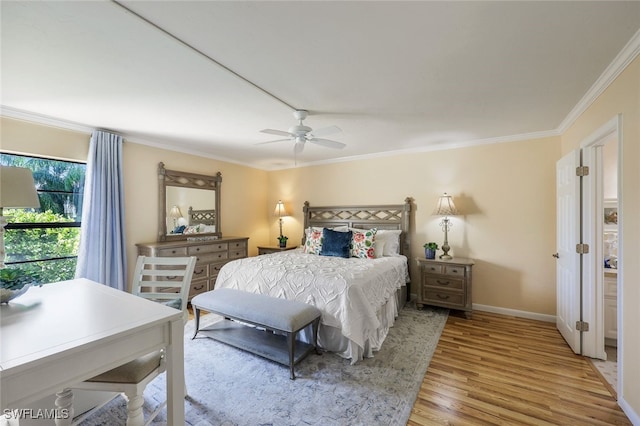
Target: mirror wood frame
point(181, 179)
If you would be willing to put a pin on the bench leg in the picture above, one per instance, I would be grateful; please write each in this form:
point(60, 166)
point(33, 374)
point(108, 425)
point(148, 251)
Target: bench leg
point(315, 326)
point(197, 315)
point(291, 342)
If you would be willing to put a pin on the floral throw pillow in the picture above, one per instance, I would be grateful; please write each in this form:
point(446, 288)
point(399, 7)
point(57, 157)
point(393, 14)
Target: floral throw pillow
point(313, 243)
point(362, 243)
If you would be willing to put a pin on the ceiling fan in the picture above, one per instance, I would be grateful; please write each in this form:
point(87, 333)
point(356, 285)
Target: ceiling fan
point(302, 134)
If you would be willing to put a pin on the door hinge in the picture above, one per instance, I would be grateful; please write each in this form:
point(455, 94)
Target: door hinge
point(582, 248)
point(582, 171)
point(582, 326)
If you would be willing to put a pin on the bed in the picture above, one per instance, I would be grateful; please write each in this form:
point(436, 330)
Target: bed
point(359, 297)
point(198, 222)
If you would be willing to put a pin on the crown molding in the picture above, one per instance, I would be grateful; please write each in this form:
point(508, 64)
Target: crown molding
point(432, 148)
point(628, 53)
point(46, 120)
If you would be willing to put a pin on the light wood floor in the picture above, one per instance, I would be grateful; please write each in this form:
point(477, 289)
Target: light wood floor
point(500, 370)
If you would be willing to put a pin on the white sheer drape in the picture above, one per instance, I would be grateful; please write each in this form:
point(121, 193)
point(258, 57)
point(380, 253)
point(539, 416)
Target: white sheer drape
point(102, 253)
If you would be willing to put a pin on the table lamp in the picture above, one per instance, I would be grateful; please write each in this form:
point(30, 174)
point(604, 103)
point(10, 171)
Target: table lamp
point(175, 214)
point(17, 190)
point(280, 211)
point(445, 207)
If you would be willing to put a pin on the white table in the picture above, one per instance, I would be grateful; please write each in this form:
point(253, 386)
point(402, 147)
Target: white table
point(60, 334)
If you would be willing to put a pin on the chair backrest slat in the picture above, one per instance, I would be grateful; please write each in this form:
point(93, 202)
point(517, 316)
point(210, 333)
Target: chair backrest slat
point(158, 278)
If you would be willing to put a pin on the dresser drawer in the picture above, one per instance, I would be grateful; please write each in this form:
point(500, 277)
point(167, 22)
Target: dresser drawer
point(457, 271)
point(211, 257)
point(443, 297)
point(238, 245)
point(200, 271)
point(215, 268)
point(433, 269)
point(238, 253)
point(444, 282)
point(197, 287)
point(172, 252)
point(207, 248)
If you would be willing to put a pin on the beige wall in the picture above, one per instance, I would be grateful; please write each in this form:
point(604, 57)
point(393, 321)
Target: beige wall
point(622, 97)
point(505, 192)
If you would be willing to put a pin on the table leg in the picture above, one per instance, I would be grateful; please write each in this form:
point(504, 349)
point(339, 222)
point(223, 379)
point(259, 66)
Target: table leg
point(175, 374)
point(64, 407)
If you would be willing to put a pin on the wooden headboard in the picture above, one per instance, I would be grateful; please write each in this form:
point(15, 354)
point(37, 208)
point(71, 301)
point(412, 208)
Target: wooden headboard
point(395, 216)
point(205, 217)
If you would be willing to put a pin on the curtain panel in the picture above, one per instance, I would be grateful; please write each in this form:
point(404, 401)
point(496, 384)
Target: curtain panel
point(102, 251)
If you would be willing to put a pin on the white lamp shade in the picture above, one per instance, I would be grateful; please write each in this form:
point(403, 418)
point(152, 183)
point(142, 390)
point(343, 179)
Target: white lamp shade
point(17, 188)
point(445, 206)
point(175, 212)
point(280, 209)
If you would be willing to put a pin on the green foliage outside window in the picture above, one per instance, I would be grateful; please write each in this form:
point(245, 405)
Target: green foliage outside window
point(45, 241)
point(59, 244)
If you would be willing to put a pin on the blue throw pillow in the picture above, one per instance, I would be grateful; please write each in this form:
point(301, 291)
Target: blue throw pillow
point(336, 243)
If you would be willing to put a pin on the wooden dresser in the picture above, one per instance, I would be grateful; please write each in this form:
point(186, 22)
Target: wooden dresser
point(211, 254)
point(445, 283)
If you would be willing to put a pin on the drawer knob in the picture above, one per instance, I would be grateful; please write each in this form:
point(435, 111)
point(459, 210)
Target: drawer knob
point(443, 282)
point(199, 287)
point(443, 296)
point(199, 272)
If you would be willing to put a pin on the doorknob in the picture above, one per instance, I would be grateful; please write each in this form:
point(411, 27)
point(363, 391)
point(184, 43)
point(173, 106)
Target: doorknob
point(556, 255)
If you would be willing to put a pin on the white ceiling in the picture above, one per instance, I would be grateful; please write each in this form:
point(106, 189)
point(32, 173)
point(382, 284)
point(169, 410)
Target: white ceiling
point(206, 76)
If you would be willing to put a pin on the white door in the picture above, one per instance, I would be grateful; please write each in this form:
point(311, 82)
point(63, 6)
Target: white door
point(568, 282)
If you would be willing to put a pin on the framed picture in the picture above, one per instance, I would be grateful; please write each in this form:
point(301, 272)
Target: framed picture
point(611, 214)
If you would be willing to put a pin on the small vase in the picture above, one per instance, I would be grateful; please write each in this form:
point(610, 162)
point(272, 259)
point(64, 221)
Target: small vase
point(283, 244)
point(429, 253)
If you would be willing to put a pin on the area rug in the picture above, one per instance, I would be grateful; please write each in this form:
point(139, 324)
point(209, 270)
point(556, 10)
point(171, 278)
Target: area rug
point(229, 387)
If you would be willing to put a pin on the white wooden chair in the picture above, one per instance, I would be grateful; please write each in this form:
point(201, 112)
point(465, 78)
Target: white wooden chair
point(164, 280)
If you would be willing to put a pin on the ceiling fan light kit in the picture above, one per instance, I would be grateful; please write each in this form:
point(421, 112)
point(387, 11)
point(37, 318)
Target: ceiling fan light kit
point(301, 134)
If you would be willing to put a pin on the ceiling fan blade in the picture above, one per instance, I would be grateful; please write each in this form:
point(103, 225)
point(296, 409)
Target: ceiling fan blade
point(279, 140)
point(328, 143)
point(276, 132)
point(298, 147)
point(325, 131)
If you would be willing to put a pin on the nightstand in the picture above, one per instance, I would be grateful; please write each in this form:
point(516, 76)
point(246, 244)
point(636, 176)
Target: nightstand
point(273, 249)
point(445, 283)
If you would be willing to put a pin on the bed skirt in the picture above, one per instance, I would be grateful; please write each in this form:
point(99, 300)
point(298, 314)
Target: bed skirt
point(331, 338)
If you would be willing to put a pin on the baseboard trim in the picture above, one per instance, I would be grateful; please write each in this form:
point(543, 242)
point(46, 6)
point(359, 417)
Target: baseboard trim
point(514, 313)
point(633, 416)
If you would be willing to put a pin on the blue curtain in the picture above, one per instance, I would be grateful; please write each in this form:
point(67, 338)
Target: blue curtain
point(102, 253)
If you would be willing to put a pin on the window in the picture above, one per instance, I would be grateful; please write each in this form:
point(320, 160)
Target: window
point(45, 241)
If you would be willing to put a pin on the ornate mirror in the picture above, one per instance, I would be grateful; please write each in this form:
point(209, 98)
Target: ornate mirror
point(188, 205)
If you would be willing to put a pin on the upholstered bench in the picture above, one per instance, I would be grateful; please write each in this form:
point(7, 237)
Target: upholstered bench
point(281, 320)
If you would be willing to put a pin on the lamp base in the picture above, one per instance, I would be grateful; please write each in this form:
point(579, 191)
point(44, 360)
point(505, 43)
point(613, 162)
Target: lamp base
point(445, 257)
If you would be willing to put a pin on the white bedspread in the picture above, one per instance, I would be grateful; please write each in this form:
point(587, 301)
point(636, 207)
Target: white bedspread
point(349, 292)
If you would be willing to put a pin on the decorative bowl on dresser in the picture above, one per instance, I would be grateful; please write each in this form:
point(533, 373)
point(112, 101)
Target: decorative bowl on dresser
point(211, 256)
point(445, 283)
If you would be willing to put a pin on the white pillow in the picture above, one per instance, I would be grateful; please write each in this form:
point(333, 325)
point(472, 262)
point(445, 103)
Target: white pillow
point(341, 228)
point(390, 240)
point(378, 248)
